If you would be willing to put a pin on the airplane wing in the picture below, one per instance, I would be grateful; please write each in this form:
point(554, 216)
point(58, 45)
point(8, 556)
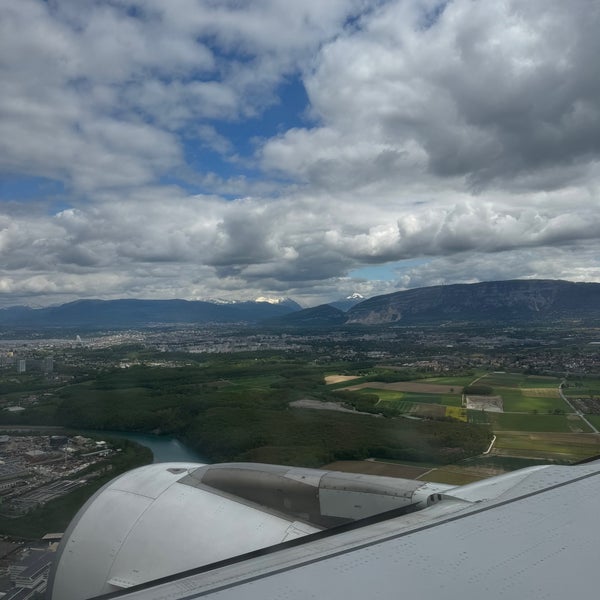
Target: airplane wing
point(531, 533)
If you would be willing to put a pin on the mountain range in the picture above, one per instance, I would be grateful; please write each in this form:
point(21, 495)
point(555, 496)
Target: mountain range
point(509, 301)
point(515, 300)
point(143, 313)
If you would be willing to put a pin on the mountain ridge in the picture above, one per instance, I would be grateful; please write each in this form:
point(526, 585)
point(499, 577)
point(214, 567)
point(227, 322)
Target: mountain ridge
point(509, 300)
point(132, 312)
point(514, 300)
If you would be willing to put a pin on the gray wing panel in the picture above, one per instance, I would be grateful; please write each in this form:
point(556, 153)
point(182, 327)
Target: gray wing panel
point(543, 544)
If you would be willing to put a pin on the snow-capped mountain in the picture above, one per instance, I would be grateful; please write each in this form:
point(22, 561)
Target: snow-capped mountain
point(348, 302)
point(279, 301)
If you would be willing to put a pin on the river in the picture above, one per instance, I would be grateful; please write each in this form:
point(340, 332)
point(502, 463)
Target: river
point(164, 448)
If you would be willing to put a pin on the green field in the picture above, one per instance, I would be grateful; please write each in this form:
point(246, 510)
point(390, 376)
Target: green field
point(518, 380)
point(582, 386)
point(526, 393)
point(502, 463)
point(460, 380)
point(385, 395)
point(391, 395)
point(450, 476)
point(445, 399)
point(260, 382)
point(479, 417)
point(528, 422)
point(594, 420)
point(567, 447)
point(400, 406)
point(514, 400)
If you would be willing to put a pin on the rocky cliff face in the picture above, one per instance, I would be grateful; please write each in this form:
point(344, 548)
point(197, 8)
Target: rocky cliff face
point(495, 300)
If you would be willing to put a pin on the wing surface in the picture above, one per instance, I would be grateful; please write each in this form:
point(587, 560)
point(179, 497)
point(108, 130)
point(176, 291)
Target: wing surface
point(537, 537)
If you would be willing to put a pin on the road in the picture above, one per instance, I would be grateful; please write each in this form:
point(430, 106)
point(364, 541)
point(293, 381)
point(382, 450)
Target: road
point(577, 412)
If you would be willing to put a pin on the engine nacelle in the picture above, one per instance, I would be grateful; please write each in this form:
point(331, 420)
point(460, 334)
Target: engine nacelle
point(166, 518)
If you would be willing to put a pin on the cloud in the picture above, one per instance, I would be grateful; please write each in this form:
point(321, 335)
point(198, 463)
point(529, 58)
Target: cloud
point(464, 134)
point(469, 267)
point(98, 94)
point(486, 93)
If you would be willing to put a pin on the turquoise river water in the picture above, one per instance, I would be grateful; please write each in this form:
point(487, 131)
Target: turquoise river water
point(164, 448)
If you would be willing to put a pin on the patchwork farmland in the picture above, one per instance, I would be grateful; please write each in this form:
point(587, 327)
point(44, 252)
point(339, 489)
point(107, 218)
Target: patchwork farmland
point(526, 413)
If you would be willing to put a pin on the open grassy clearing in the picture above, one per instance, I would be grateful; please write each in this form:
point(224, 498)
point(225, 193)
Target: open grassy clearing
point(478, 417)
point(407, 386)
point(390, 395)
point(503, 379)
point(400, 406)
point(261, 382)
point(329, 379)
point(578, 387)
point(385, 395)
point(519, 380)
point(515, 400)
point(450, 399)
point(528, 422)
point(451, 476)
point(458, 381)
point(430, 411)
point(494, 462)
point(445, 399)
point(541, 392)
point(375, 467)
point(569, 447)
point(423, 409)
point(342, 385)
point(594, 420)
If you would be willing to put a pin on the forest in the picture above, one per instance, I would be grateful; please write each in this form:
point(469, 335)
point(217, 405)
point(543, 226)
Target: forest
point(236, 408)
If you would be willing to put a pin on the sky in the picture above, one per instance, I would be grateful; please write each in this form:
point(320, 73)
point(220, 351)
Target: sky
point(233, 149)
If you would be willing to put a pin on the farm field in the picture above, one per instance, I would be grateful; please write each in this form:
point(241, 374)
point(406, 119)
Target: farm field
point(594, 420)
point(528, 422)
point(534, 413)
point(331, 379)
point(526, 393)
point(391, 395)
point(456, 412)
point(518, 380)
point(420, 405)
point(460, 380)
point(407, 386)
point(536, 424)
point(452, 475)
point(520, 400)
point(568, 447)
point(376, 467)
point(582, 387)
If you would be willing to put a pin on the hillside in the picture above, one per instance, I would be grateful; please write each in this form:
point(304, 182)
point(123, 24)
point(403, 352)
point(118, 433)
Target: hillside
point(514, 300)
point(324, 315)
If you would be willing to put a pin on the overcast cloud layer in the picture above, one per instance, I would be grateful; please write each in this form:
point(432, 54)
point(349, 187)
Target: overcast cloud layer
point(203, 149)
